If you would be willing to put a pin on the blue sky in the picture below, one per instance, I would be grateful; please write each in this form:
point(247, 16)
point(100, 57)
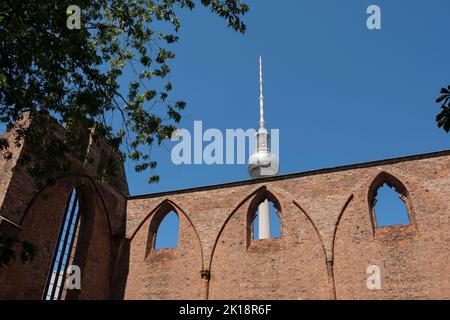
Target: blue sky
point(338, 92)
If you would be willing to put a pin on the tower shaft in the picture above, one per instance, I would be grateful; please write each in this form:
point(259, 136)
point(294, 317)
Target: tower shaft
point(264, 220)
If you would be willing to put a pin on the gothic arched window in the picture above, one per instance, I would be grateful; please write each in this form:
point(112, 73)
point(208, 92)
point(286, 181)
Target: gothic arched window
point(390, 207)
point(389, 202)
point(266, 222)
point(167, 233)
point(264, 217)
point(65, 249)
point(164, 229)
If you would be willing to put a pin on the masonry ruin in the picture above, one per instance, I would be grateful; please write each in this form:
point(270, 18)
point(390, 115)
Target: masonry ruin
point(329, 234)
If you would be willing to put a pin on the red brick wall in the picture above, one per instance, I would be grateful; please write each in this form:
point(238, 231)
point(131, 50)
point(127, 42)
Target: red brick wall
point(96, 267)
point(41, 225)
point(35, 215)
point(269, 269)
point(165, 267)
point(414, 260)
point(327, 238)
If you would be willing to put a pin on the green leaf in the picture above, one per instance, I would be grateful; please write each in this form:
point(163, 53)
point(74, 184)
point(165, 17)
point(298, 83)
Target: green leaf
point(441, 98)
point(78, 76)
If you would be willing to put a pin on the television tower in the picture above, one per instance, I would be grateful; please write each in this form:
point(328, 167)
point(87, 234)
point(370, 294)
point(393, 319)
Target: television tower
point(262, 163)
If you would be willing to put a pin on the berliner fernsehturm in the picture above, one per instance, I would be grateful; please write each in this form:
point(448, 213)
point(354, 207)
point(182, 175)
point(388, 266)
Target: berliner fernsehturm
point(262, 163)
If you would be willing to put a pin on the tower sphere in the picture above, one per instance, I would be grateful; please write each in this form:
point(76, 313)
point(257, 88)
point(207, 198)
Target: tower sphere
point(262, 163)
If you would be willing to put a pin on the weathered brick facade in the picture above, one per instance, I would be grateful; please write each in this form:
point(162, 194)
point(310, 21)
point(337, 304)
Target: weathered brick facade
point(328, 235)
point(35, 214)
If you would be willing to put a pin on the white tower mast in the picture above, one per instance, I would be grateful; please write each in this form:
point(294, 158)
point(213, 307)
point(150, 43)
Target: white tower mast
point(262, 163)
point(261, 97)
point(263, 209)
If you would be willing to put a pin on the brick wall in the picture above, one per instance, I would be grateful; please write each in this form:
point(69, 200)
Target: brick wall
point(35, 215)
point(328, 237)
point(328, 234)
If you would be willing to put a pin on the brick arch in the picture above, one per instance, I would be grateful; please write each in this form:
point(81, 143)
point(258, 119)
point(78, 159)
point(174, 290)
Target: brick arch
point(350, 198)
point(158, 216)
point(172, 273)
point(160, 211)
point(262, 194)
point(74, 180)
point(399, 251)
point(277, 262)
point(393, 182)
point(417, 193)
point(256, 195)
point(314, 225)
point(240, 204)
point(41, 224)
point(165, 206)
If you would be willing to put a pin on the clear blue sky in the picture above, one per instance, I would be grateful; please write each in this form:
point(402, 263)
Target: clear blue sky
point(338, 92)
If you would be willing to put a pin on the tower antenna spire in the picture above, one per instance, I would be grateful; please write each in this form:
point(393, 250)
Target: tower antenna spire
point(261, 97)
point(262, 162)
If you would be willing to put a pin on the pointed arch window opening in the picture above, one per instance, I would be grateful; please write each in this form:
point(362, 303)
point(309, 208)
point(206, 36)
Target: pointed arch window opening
point(55, 288)
point(266, 223)
point(167, 233)
point(390, 207)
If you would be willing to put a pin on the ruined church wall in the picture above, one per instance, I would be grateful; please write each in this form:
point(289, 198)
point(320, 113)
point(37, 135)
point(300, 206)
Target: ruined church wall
point(328, 237)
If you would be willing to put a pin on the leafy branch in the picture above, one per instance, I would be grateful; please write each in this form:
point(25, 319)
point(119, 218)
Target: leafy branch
point(117, 63)
point(8, 246)
point(443, 118)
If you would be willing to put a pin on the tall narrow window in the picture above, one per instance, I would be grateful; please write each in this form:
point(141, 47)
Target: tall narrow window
point(390, 207)
point(65, 248)
point(266, 223)
point(167, 233)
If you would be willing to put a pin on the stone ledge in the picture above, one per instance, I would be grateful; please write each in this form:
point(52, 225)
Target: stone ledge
point(361, 165)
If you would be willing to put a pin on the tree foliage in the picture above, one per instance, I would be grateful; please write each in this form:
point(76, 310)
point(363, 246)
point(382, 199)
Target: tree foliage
point(8, 246)
point(72, 75)
point(60, 76)
point(443, 118)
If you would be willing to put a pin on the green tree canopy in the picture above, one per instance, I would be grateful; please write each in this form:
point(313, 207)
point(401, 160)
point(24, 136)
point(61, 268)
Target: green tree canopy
point(50, 71)
point(72, 75)
point(443, 118)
